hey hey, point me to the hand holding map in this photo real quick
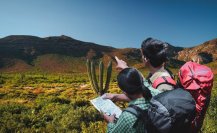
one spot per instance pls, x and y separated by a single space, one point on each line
106 106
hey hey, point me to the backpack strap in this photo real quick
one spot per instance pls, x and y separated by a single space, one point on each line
170 73
163 80
162 76
138 112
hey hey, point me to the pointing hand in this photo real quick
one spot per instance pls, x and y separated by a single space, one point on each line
120 64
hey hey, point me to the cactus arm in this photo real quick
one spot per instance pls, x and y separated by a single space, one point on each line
101 70
108 77
93 72
90 75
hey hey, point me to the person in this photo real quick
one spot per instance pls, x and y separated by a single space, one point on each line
130 81
154 56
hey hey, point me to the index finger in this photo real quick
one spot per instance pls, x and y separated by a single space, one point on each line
116 58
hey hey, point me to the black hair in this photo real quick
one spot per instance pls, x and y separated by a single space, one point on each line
131 81
155 51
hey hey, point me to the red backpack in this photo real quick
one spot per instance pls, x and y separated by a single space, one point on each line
198 80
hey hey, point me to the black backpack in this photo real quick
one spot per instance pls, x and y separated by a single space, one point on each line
168 112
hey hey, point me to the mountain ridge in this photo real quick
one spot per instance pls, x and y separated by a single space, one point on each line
20 53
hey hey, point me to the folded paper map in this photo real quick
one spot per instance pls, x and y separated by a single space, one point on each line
106 106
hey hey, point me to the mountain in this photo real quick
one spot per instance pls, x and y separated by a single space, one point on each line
206 52
63 54
54 54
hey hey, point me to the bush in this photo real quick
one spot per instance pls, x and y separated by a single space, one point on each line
13 109
61 106
92 126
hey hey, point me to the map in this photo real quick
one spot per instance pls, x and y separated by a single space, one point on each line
106 106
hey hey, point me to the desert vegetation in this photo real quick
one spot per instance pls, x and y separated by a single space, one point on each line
32 102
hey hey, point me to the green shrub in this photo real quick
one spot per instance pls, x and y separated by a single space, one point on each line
63 106
94 127
13 108
80 103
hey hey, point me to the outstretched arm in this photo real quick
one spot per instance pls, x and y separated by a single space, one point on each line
116 97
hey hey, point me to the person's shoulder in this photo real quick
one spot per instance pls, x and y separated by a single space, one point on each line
165 87
149 86
128 116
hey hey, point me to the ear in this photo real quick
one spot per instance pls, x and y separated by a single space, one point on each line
198 60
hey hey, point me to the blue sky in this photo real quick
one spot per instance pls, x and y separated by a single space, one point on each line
118 23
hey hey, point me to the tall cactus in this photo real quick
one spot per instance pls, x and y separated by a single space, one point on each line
93 75
108 76
90 75
98 88
101 70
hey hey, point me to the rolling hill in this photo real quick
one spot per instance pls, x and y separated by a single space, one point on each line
20 53
206 52
63 54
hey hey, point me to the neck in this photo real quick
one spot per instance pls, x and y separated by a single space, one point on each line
154 69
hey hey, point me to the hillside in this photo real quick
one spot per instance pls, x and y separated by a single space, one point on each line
63 54
206 52
20 53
